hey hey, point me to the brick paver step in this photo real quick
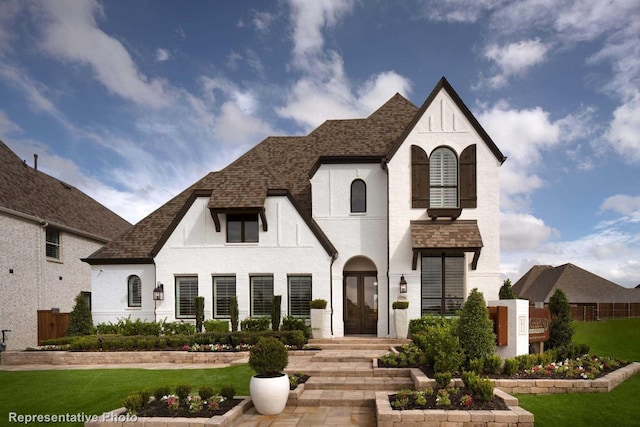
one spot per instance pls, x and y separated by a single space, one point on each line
358 383
337 398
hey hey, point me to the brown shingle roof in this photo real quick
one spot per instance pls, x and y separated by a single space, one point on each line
277 163
580 286
458 234
36 194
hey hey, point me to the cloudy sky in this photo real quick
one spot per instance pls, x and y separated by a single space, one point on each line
132 101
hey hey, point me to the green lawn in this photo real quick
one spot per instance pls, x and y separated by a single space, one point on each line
97 391
618 338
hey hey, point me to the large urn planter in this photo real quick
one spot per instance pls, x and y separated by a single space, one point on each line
400 318
269 394
318 309
269 388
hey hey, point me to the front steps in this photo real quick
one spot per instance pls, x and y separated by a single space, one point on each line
342 374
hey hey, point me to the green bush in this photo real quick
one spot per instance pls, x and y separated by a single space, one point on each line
506 291
214 325
268 357
234 313
178 328
443 378
255 324
205 392
291 323
293 338
160 392
476 365
400 305
80 322
441 346
469 378
276 313
482 389
492 364
133 403
510 367
228 392
560 329
425 322
318 303
182 391
476 328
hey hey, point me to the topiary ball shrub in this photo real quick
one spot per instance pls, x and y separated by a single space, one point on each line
228 392
268 357
182 391
205 392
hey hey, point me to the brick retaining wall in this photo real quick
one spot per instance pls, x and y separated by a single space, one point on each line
118 357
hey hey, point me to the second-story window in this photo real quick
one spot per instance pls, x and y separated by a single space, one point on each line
443 178
53 243
358 196
242 228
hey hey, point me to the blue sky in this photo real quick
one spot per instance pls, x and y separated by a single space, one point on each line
134 101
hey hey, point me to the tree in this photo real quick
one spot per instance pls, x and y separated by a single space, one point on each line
199 313
80 321
506 291
475 328
235 314
560 329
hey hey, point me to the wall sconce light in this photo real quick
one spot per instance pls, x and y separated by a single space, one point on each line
158 292
403 285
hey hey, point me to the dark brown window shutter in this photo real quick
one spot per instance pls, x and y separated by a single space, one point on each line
419 178
468 184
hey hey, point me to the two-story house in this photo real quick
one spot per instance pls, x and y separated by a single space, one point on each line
343 214
46 227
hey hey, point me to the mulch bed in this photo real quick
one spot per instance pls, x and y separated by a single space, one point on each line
497 404
159 409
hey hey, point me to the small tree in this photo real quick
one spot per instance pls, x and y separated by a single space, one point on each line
234 313
275 312
80 321
560 329
475 328
199 313
506 291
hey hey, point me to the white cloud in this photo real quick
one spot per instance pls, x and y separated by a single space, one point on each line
70 32
7 126
458 10
262 21
514 59
520 232
162 55
622 203
624 132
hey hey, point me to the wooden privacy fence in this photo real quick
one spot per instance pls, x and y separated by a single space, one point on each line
601 311
52 324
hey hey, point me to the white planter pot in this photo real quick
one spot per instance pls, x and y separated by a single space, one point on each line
317 323
269 395
401 322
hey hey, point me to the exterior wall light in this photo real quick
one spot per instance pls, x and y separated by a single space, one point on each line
403 285
158 292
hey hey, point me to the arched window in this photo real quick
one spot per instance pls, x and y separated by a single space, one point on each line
134 285
443 178
358 196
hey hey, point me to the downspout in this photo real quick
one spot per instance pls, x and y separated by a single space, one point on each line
333 259
42 255
383 164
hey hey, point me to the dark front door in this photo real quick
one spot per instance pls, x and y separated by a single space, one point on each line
360 303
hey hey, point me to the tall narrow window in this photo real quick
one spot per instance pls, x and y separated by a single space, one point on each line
224 287
261 295
186 293
358 196
442 284
242 228
52 243
299 296
134 291
443 178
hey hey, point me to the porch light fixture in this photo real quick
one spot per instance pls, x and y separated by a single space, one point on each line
403 285
158 292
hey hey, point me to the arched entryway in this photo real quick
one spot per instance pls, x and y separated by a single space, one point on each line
360 284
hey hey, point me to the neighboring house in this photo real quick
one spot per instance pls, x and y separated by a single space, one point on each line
341 214
46 227
591 297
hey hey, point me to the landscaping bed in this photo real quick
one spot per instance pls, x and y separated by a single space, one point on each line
450 398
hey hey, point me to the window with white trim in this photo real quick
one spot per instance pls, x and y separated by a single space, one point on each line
224 287
299 296
52 246
443 178
261 295
186 293
134 291
442 283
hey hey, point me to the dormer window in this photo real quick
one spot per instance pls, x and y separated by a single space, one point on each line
242 228
358 196
443 179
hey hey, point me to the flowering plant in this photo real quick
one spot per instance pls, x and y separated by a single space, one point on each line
466 400
442 399
214 402
173 401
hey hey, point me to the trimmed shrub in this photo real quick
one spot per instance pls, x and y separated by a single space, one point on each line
476 365
199 313
133 403
268 357
234 313
160 392
255 324
291 323
506 291
205 392
80 322
482 389
560 329
228 392
400 305
442 346
293 338
417 326
275 312
443 378
182 391
178 328
214 325
492 364
476 328
318 303
510 367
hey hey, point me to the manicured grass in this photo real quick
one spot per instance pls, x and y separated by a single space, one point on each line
98 391
618 338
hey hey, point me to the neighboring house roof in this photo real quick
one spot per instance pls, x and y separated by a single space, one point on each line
278 165
579 285
29 193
